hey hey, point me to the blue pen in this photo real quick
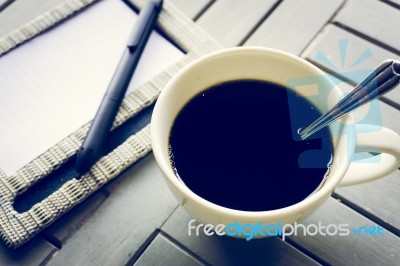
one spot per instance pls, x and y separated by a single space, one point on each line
90 150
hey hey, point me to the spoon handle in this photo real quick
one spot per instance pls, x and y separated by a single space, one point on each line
383 79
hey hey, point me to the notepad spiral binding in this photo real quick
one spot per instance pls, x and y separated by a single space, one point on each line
17 228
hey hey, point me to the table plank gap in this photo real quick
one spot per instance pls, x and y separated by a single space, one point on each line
367 214
378 199
347 56
192 8
351 248
225 250
260 22
393 3
183 247
294 34
163 251
51 239
205 8
373 20
390 102
4 4
306 251
229 28
385 99
146 243
366 37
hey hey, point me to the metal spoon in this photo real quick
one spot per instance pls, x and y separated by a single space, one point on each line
383 79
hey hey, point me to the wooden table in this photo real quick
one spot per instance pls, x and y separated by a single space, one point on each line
135 219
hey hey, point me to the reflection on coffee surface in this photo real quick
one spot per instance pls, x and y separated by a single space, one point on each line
236 144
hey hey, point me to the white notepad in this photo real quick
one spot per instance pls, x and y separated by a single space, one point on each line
52 85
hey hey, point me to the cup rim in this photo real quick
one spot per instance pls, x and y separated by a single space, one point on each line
329 184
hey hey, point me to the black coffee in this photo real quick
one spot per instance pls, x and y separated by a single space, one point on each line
236 145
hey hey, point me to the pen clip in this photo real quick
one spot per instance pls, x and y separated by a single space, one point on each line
147 17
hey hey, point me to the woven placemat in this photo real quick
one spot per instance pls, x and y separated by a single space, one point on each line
16 228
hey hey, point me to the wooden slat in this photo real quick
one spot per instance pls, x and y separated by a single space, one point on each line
383 197
380 198
374 19
163 252
191 8
139 202
218 250
350 249
293 24
33 253
229 21
327 44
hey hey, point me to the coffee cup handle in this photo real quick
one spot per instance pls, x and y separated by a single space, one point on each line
371 139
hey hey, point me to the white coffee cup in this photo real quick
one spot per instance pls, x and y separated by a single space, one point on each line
278 67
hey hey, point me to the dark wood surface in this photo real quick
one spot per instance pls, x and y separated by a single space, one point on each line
194 8
135 220
225 250
327 43
290 27
163 251
373 20
231 21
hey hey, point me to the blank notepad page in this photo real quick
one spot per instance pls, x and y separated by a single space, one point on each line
52 85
